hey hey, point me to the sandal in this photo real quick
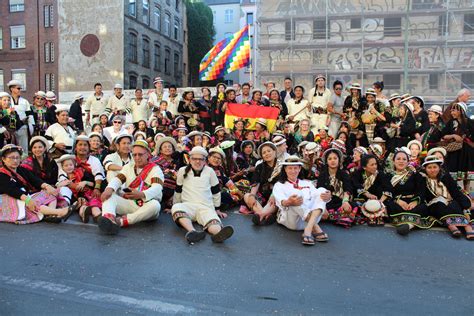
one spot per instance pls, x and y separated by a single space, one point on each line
307 240
403 229
195 236
52 219
455 233
321 237
87 213
470 235
244 210
225 233
71 209
380 221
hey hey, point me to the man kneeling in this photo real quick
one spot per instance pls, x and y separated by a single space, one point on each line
196 199
135 193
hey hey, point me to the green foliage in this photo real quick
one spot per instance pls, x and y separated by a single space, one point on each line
200 35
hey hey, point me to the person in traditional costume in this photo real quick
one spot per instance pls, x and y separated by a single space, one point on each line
114 162
169 160
341 210
300 204
432 137
25 198
197 199
60 135
134 194
217 115
458 137
371 189
81 182
319 97
98 149
407 209
39 162
445 201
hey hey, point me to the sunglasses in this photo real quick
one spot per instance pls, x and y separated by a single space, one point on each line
40 98
117 122
338 89
198 159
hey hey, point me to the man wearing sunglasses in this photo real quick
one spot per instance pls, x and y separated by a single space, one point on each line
135 193
23 108
335 105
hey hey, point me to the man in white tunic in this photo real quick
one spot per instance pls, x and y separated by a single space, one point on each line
118 104
196 199
23 108
319 97
300 204
95 105
135 193
156 96
139 107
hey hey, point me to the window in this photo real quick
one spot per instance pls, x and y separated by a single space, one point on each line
392 27
249 18
176 65
426 4
168 24
146 12
442 25
167 61
157 53
356 23
132 8
469 24
319 29
132 49
145 83
20 75
157 18
1 37
49 82
289 30
176 29
467 80
146 53
17 35
48 52
1 80
228 15
433 81
132 81
392 81
17 5
177 5
48 15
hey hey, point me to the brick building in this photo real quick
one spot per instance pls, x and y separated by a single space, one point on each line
28 44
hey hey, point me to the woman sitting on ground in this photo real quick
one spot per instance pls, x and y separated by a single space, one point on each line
25 197
341 210
259 200
299 203
445 201
39 162
407 209
371 189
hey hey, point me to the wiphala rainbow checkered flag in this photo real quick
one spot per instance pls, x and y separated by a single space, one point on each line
228 55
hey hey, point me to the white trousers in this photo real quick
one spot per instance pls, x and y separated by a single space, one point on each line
22 138
318 121
294 217
135 214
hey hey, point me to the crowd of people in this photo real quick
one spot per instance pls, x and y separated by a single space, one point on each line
338 154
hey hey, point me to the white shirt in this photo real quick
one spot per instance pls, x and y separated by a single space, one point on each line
114 159
139 110
96 105
56 134
155 99
118 104
154 181
198 189
110 134
96 168
319 101
173 103
294 108
311 196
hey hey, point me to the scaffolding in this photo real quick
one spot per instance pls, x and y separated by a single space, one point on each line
421 47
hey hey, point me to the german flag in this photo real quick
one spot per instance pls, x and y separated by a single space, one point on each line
252 113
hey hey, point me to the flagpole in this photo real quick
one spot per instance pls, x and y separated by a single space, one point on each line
250 55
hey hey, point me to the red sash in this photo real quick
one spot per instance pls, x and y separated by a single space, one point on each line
84 165
140 179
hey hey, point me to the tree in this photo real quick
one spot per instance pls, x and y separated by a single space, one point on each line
200 35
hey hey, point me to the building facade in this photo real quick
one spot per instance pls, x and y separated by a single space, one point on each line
422 47
248 16
226 18
154 42
29 45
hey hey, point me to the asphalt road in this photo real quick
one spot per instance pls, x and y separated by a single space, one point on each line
71 269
